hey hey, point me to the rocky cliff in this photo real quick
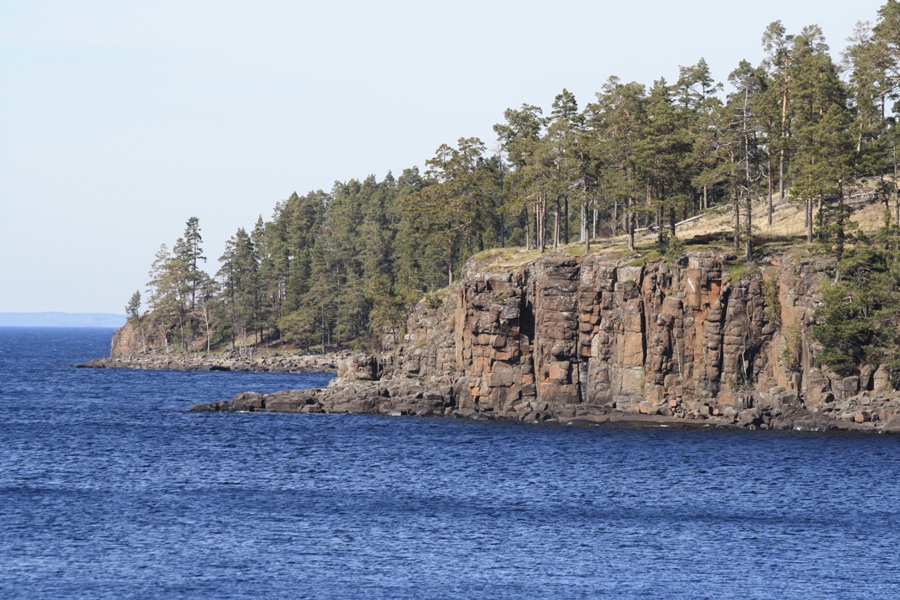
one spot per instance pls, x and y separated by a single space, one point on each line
566 337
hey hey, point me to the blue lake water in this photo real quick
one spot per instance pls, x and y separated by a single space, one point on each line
110 488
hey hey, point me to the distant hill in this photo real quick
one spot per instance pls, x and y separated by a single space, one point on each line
60 319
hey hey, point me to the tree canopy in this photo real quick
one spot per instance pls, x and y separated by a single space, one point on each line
345 265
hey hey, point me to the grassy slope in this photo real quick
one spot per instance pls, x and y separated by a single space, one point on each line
714 229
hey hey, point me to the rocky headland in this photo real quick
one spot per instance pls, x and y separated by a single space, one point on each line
123 357
610 339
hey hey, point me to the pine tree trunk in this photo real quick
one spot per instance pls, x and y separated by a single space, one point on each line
584 227
323 328
821 215
737 219
896 185
527 227
748 241
770 188
540 222
543 223
206 324
542 229
809 221
784 104
629 227
806 214
583 234
556 224
781 176
840 231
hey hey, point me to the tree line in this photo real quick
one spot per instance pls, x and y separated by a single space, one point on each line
346 265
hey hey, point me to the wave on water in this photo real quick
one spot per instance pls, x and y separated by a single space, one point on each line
110 488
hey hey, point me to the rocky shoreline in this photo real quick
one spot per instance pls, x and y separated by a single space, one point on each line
410 397
605 339
279 362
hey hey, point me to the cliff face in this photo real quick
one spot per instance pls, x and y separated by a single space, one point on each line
126 341
605 339
652 338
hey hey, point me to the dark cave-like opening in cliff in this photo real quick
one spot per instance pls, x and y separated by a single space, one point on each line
526 320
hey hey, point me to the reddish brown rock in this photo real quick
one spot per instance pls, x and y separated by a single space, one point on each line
570 337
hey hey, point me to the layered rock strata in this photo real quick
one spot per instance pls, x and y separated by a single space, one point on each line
603 338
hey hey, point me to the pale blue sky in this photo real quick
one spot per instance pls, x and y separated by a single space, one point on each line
120 119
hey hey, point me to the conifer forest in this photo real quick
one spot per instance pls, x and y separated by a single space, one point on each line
343 267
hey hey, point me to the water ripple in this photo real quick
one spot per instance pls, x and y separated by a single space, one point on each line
109 488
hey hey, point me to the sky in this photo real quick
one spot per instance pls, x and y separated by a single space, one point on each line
120 119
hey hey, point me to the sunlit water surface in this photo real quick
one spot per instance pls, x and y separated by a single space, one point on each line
110 488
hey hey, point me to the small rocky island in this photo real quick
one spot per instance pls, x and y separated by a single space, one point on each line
603 339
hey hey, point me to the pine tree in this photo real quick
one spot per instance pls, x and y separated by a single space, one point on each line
133 308
617 124
777 45
520 139
456 210
821 162
696 90
240 286
662 157
741 131
164 298
133 313
563 132
188 253
886 38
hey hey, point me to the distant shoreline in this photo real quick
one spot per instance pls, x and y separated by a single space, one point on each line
111 327
61 320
